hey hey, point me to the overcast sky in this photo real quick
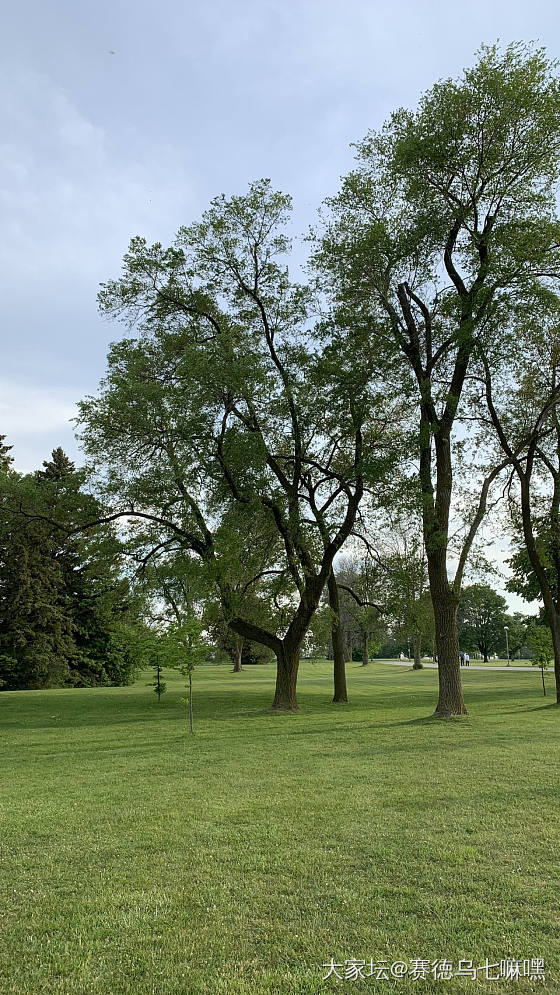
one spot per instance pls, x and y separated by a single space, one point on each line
123 118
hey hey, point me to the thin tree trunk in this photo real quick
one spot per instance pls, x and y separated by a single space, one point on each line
287 665
365 649
339 670
190 703
417 647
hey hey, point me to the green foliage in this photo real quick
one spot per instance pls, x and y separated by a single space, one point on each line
66 609
362 622
517 634
159 686
5 459
524 580
539 641
223 430
481 618
36 631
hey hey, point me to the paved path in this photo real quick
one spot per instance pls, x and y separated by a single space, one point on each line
433 666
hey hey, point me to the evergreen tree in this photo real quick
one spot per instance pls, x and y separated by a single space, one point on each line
35 630
66 612
5 460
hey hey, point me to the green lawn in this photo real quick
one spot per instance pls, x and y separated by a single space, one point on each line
138 859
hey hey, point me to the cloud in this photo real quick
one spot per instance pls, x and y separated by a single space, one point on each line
70 199
31 409
36 420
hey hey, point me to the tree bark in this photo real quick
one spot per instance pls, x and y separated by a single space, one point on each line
436 528
285 697
339 669
238 656
450 701
553 618
365 649
417 648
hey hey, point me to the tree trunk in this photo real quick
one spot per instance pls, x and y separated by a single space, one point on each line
435 517
237 664
555 630
190 703
450 700
287 665
365 649
417 647
339 669
551 602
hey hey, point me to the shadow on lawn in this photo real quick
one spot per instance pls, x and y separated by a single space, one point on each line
104 707
541 708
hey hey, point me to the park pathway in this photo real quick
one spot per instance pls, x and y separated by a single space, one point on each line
433 666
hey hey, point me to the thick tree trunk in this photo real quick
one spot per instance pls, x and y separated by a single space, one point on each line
365 649
450 700
417 648
555 630
339 670
287 665
436 525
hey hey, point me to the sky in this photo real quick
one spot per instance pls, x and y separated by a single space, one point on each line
122 118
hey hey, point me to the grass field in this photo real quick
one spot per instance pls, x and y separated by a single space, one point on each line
138 859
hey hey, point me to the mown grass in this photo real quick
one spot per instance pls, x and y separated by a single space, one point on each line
138 859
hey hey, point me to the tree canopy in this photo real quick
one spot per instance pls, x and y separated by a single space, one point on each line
223 427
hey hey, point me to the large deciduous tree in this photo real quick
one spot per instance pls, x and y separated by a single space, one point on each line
445 226
221 422
482 616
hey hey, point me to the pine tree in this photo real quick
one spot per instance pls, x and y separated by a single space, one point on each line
66 612
35 630
5 460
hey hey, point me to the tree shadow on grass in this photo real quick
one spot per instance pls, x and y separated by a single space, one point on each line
540 708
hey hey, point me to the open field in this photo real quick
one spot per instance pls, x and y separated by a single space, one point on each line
138 859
